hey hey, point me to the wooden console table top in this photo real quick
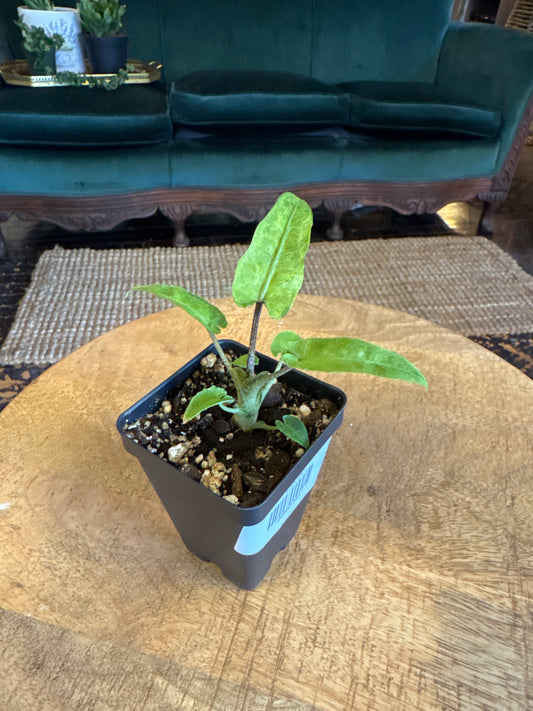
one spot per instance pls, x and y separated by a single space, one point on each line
408 585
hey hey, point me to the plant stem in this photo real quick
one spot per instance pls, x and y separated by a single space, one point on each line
282 369
250 364
221 352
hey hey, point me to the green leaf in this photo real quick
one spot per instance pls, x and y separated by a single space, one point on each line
204 400
293 428
39 4
208 315
242 360
272 268
349 355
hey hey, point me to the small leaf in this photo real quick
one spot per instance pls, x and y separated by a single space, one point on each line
348 355
204 400
272 268
293 428
242 360
208 315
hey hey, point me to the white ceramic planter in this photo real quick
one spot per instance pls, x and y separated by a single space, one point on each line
64 21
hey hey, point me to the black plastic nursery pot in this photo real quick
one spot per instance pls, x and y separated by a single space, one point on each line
106 54
241 541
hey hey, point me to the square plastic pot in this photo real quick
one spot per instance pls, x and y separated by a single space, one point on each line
241 541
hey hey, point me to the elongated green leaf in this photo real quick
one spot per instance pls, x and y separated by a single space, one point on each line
293 428
272 268
204 400
349 355
208 315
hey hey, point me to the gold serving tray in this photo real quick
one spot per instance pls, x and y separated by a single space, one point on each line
17 72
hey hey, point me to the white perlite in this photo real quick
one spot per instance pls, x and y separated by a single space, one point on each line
178 451
467 284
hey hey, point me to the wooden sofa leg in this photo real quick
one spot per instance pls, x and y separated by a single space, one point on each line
3 245
338 207
180 238
178 214
492 201
335 232
485 224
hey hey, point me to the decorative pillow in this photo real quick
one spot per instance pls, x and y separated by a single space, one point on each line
416 106
215 100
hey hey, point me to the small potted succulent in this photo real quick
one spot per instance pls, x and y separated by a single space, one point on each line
50 29
105 40
234 440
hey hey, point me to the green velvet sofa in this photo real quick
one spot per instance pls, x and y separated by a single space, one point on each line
345 102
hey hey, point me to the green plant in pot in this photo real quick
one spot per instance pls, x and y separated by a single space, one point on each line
232 517
105 39
40 48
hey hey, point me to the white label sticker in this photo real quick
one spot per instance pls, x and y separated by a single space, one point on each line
254 538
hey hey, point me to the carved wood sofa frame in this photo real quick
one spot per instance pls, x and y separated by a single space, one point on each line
106 212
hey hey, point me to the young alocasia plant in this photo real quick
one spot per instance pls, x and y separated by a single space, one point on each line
270 274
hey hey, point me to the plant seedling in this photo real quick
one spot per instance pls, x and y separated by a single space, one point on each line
270 274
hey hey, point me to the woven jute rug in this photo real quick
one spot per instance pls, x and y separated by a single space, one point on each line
466 284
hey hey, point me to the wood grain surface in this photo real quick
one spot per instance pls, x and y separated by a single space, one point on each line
408 585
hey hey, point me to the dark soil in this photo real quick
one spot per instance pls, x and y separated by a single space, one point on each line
242 466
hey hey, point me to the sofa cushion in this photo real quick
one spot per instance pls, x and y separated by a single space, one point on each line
214 100
283 161
416 106
71 116
270 160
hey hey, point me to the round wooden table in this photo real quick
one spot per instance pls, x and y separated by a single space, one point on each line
408 585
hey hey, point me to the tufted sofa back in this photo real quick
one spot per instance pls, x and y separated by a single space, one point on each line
331 40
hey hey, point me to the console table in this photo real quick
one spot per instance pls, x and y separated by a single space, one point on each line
408 586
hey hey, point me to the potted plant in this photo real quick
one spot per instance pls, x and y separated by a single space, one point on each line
233 441
105 40
39 19
40 49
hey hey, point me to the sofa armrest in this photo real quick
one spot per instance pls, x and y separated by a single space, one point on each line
493 67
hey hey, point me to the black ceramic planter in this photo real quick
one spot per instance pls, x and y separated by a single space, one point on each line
106 54
241 541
